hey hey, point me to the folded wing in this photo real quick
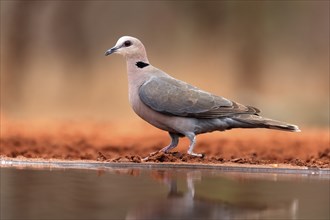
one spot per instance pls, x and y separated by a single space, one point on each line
173 97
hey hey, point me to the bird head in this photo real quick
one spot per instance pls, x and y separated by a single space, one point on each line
128 47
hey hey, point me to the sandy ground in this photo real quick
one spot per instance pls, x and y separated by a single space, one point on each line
131 142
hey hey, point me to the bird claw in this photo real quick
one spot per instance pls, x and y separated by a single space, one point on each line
150 155
196 155
165 150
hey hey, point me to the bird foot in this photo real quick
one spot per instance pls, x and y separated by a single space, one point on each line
150 155
167 149
195 154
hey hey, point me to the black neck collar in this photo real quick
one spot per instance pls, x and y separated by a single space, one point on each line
141 64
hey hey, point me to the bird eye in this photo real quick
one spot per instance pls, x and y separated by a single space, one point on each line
127 43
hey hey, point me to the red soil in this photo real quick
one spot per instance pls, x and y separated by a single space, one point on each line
130 143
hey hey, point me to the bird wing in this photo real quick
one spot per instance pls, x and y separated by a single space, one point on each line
173 97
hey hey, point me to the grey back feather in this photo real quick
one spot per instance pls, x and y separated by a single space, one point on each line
173 97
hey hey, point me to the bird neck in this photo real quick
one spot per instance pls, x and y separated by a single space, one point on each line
136 67
136 62
140 57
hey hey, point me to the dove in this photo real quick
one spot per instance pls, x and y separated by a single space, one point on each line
179 108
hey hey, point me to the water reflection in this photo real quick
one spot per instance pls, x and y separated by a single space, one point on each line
191 205
110 193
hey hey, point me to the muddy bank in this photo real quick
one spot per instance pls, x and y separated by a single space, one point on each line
122 142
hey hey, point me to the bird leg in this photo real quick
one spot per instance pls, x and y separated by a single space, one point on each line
173 144
192 138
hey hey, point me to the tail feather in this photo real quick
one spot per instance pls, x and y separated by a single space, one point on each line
256 121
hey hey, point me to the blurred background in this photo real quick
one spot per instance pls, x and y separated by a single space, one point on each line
270 54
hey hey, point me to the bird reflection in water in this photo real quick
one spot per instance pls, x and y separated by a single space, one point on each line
190 205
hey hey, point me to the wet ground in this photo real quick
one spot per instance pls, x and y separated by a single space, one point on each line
148 193
125 142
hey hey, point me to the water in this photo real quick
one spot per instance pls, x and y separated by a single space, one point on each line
140 193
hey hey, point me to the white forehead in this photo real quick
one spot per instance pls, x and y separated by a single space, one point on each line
125 38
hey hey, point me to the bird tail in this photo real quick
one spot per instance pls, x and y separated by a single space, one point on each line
256 121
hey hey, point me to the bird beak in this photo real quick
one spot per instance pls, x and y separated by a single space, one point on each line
111 51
